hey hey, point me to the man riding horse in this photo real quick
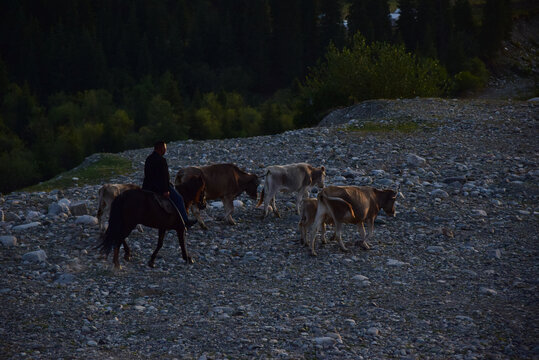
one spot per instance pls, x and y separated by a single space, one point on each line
157 180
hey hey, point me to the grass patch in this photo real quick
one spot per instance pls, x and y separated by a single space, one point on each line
93 170
383 127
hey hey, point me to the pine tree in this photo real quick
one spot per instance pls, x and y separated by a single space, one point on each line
496 26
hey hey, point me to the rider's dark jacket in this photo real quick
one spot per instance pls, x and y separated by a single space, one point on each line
156 177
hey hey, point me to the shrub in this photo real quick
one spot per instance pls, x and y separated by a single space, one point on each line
367 71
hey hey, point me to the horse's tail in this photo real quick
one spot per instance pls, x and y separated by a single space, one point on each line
114 231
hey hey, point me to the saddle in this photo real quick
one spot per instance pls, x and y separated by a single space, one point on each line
166 204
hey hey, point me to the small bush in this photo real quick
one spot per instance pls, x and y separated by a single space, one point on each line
367 71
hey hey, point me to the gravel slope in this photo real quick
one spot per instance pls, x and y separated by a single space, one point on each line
452 276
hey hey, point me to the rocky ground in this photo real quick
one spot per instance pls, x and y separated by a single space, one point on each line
453 276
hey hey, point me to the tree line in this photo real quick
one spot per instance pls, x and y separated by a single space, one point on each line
85 76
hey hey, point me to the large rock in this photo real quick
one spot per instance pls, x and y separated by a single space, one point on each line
8 240
86 220
79 208
26 226
35 256
414 160
58 208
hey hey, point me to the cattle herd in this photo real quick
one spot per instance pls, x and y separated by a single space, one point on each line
334 205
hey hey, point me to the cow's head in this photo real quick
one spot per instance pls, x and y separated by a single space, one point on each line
251 186
386 200
319 176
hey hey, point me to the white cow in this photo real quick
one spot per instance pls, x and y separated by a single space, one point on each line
107 193
300 178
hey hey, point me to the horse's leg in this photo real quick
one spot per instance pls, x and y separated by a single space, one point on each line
127 251
115 259
181 240
162 232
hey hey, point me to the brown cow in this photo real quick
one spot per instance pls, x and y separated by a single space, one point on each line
308 215
352 205
223 181
299 177
106 194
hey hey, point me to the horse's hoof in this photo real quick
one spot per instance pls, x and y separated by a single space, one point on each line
127 257
364 245
117 267
190 260
203 226
344 249
151 264
313 253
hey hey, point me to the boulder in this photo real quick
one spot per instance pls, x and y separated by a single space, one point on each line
414 160
8 240
86 220
35 256
79 208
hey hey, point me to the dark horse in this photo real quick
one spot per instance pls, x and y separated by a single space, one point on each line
138 206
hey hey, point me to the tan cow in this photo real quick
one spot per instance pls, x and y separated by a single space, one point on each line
300 178
223 181
106 194
352 205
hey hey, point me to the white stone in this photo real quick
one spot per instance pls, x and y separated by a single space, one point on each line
373 331
488 291
393 262
435 249
439 193
360 278
415 160
35 256
26 226
86 220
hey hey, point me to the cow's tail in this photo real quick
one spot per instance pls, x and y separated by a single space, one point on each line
325 199
115 229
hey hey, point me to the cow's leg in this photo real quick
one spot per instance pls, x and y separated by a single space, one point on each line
323 232
198 216
104 208
183 246
162 232
363 243
303 233
274 206
228 203
314 231
299 199
338 235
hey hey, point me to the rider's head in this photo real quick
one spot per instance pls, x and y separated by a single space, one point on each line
160 147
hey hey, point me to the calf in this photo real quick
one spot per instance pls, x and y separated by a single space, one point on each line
106 194
352 205
299 177
308 215
223 181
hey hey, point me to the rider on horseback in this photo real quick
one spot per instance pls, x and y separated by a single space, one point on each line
157 180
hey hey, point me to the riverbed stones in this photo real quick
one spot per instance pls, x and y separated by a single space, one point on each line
436 287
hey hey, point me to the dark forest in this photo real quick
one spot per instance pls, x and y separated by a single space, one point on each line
84 76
